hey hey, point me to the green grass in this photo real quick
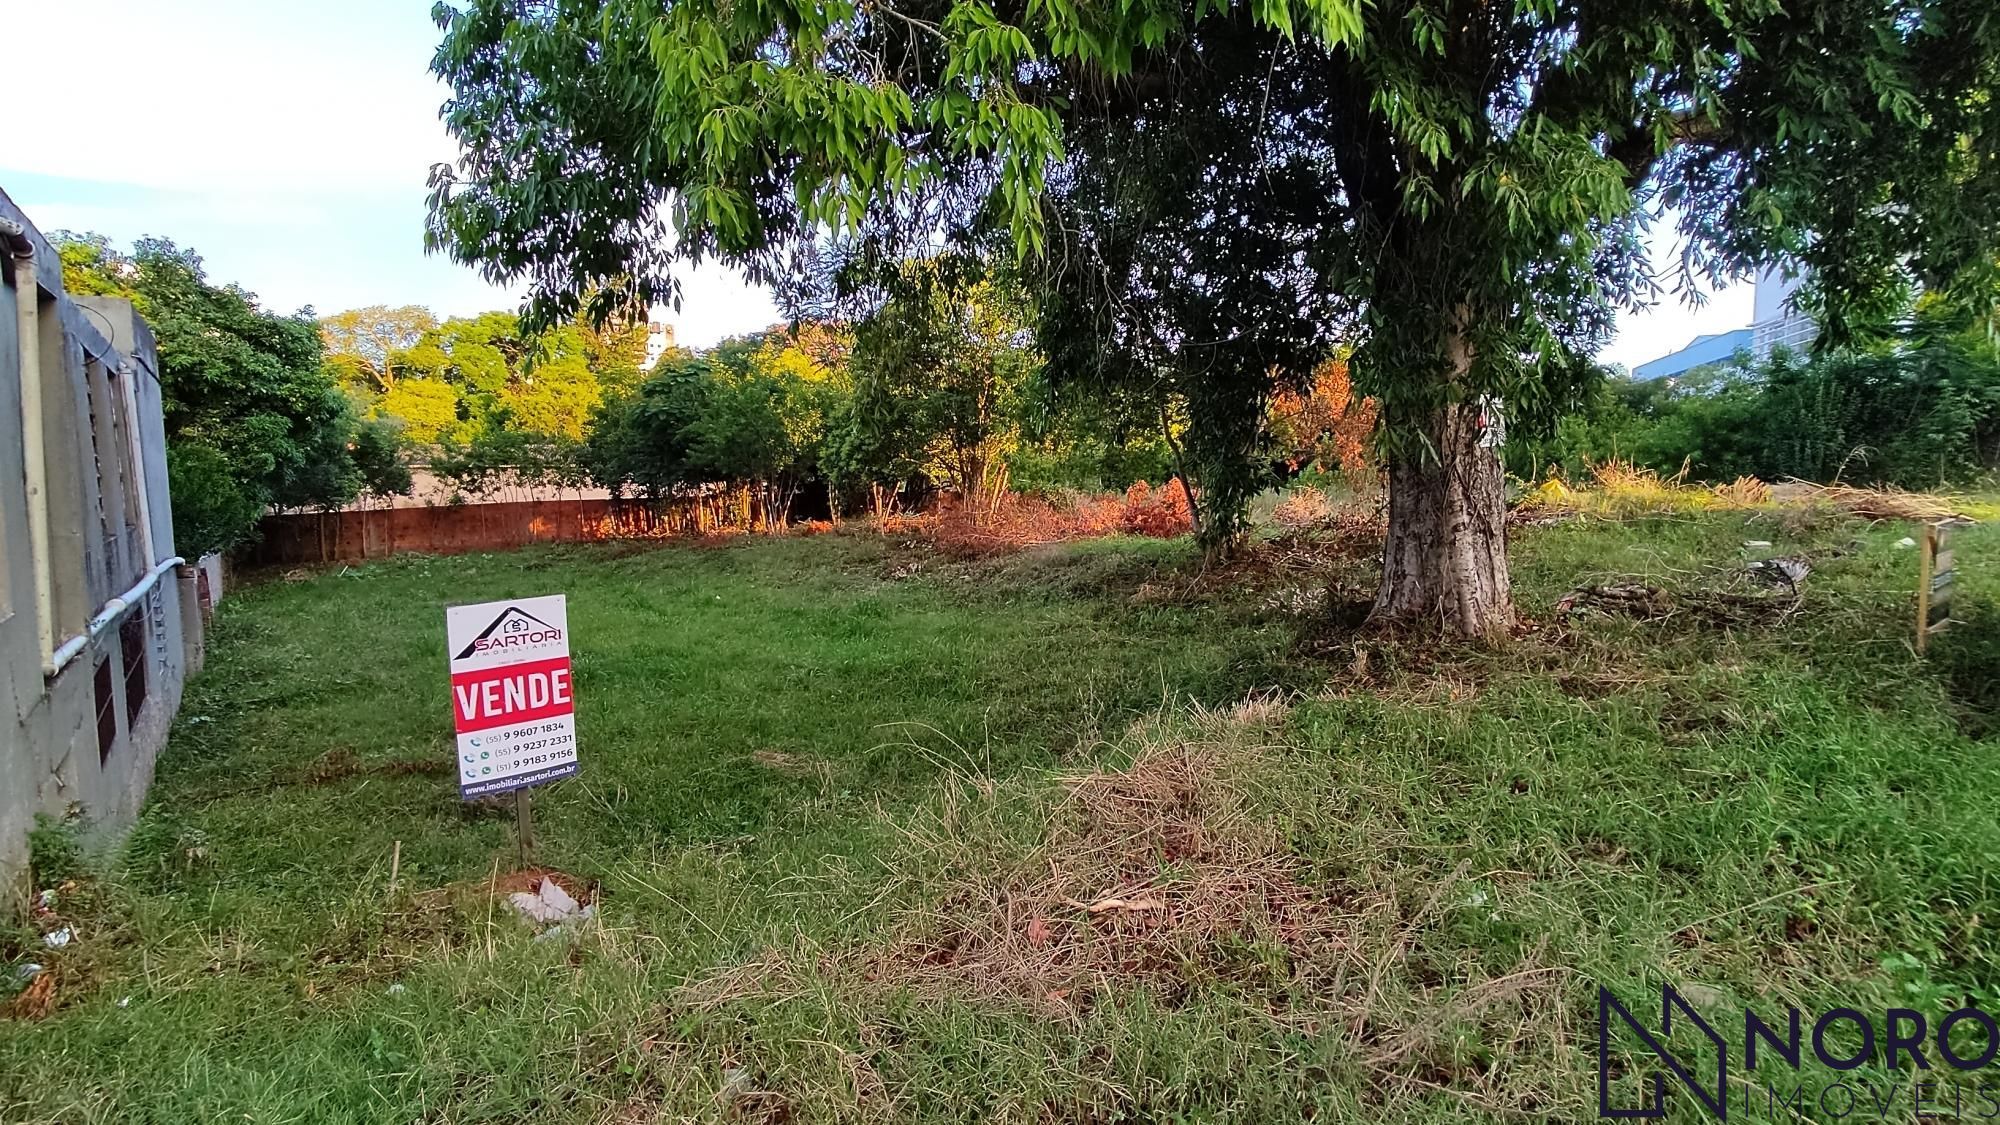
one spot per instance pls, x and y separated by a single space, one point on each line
822 778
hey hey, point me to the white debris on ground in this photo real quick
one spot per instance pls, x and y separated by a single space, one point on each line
549 906
56 939
1905 543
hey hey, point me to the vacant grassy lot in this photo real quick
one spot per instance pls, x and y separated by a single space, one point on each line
847 807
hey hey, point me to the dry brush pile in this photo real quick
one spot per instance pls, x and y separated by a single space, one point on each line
1015 521
1164 885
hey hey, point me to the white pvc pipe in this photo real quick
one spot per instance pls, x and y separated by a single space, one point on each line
112 611
128 374
34 457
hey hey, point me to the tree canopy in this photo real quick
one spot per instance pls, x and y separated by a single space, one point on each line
455 383
1461 187
753 414
365 344
252 416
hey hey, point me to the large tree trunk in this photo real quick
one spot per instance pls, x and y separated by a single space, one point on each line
1445 563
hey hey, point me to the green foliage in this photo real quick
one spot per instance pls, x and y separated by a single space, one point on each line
212 505
1919 413
251 410
379 457
940 368
1461 187
364 345
500 457
426 409
756 411
55 850
453 383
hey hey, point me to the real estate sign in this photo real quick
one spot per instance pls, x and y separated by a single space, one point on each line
511 694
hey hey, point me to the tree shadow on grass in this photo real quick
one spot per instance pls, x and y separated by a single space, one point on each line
1966 659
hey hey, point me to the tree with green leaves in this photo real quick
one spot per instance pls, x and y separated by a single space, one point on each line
1488 171
941 367
461 380
753 416
364 345
252 415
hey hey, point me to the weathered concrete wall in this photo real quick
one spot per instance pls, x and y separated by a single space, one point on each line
81 745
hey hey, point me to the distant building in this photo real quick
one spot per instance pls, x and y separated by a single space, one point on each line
1774 323
1716 347
100 621
659 337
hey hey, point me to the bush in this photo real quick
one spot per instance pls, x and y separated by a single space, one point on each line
212 510
1919 413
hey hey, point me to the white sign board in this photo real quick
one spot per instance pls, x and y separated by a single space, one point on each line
511 694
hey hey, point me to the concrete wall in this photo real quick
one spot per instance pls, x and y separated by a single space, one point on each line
80 745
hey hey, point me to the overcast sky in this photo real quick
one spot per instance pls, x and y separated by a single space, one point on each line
288 142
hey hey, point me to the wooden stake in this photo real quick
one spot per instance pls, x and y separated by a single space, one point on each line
395 867
524 823
1926 554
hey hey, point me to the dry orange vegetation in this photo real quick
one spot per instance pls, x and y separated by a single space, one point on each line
1016 521
1330 426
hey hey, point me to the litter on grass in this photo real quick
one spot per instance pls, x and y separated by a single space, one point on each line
1788 571
551 907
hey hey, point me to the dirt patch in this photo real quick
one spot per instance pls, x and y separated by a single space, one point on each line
381 941
1724 602
1147 870
37 1000
341 763
583 890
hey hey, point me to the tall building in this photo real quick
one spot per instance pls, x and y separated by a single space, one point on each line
659 337
1774 323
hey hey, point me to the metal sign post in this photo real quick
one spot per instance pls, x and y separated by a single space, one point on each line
524 823
512 701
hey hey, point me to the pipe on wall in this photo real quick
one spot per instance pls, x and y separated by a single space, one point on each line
108 616
128 374
35 466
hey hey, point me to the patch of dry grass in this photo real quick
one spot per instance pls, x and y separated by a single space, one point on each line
1619 488
1169 877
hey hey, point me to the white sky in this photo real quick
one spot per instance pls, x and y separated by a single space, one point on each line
289 141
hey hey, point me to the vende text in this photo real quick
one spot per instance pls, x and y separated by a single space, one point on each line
518 693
